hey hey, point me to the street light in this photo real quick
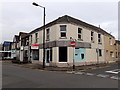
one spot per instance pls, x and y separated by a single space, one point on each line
35 4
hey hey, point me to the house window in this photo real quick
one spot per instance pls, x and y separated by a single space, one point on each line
31 39
48 34
79 33
99 38
110 41
111 54
63 31
27 42
92 36
100 52
36 37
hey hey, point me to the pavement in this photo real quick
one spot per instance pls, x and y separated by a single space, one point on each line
69 69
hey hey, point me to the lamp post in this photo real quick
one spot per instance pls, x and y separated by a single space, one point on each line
35 4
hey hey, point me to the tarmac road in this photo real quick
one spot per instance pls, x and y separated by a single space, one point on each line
19 77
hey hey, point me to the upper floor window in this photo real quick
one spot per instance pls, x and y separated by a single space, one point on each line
111 41
27 42
36 37
48 34
62 30
31 39
99 38
79 33
111 54
92 36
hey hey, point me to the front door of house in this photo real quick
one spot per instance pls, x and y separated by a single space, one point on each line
48 56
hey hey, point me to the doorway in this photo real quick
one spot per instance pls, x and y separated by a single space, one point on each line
48 55
62 54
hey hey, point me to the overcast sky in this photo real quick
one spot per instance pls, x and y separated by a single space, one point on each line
21 15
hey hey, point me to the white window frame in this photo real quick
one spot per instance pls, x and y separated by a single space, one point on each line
112 54
31 39
99 38
48 34
61 31
80 33
36 38
92 36
111 43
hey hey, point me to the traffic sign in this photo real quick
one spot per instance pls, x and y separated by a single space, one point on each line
73 43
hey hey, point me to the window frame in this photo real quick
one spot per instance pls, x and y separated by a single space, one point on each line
48 34
31 39
112 54
36 38
99 38
100 52
92 36
110 41
80 33
63 31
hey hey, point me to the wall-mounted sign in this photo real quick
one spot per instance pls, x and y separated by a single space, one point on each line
35 46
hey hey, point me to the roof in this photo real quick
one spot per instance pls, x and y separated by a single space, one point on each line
7 43
22 33
117 42
69 19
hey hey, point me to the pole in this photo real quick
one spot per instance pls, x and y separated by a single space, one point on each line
73 58
44 39
43 32
97 56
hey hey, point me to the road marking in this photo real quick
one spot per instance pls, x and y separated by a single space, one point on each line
90 74
115 71
70 72
102 75
79 73
115 77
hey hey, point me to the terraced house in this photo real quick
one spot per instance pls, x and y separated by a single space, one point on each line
91 43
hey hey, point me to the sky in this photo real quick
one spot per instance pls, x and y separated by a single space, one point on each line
21 16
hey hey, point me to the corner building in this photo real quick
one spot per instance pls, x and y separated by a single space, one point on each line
90 43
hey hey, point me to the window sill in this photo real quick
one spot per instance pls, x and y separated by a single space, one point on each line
92 41
80 39
62 62
48 40
99 43
62 37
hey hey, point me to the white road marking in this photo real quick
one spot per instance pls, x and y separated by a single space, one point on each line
90 74
70 72
115 77
115 71
102 75
79 73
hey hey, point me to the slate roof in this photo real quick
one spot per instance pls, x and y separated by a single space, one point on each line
69 19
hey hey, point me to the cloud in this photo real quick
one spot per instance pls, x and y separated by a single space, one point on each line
23 16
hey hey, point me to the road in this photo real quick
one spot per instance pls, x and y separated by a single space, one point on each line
19 77
111 71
